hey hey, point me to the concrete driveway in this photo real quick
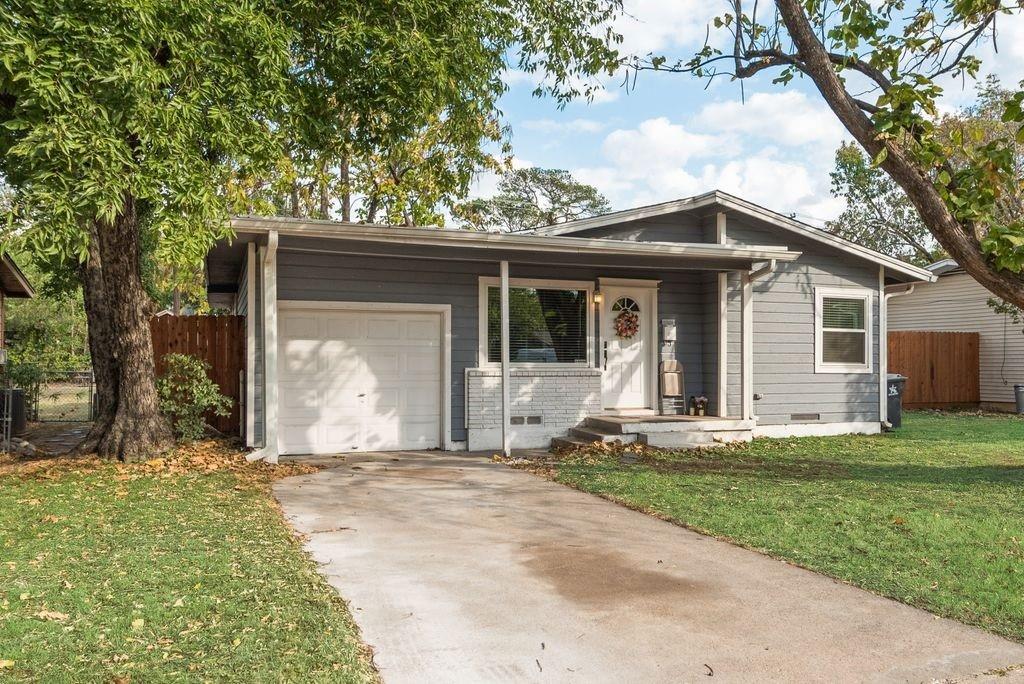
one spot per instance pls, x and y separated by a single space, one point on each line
462 570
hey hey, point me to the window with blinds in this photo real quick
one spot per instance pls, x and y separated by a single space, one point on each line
844 332
545 325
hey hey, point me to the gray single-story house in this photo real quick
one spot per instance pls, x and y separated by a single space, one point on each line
368 338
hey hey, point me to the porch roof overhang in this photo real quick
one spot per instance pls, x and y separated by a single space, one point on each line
462 245
13 281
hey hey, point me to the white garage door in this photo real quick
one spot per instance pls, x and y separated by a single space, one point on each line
358 381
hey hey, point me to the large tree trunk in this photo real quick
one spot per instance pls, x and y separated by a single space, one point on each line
959 240
95 297
137 430
346 191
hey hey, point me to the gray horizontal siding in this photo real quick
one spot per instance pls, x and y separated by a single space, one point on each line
783 320
315 276
671 228
709 339
784 332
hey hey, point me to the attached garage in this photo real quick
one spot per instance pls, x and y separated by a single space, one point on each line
352 378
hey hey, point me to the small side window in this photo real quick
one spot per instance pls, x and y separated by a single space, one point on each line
842 331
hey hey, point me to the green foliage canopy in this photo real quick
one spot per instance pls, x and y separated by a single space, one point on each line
532 197
881 68
187 106
878 214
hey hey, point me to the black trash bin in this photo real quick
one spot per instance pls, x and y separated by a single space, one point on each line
18 425
1018 393
895 410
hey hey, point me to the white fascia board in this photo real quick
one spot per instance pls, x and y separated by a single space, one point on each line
509 241
744 207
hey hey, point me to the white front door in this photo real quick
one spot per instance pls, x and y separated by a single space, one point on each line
625 335
358 380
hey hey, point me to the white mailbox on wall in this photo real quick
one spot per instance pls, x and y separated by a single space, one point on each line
668 330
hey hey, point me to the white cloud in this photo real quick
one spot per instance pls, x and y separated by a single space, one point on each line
657 143
659 160
786 118
485 184
660 25
573 126
783 186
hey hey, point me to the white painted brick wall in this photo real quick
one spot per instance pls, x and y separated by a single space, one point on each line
561 397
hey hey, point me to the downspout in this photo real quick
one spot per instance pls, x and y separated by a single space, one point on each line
269 451
883 348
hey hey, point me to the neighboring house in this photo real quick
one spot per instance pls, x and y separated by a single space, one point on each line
956 302
13 283
379 338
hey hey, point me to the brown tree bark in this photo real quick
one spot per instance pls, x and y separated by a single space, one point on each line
137 430
959 240
346 192
94 296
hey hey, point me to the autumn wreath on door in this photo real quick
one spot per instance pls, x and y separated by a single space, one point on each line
627 317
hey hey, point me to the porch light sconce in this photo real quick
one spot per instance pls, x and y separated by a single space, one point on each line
598 296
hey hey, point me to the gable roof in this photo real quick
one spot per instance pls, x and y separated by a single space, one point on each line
13 281
742 206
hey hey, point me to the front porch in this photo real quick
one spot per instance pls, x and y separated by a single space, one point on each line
663 431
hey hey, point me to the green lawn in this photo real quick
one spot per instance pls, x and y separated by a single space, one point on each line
932 515
149 574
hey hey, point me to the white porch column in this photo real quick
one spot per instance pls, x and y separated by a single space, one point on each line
723 324
250 344
506 395
747 382
269 452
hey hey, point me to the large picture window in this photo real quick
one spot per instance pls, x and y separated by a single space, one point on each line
548 323
842 330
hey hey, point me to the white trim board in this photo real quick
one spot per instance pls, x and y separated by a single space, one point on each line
250 345
445 312
524 242
723 344
654 346
818 429
742 206
627 282
485 282
820 366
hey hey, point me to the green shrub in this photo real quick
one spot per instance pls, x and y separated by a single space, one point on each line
187 393
29 377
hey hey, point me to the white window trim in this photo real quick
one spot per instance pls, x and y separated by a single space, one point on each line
486 282
865 294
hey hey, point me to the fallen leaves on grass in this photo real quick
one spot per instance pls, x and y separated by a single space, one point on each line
52 615
207 456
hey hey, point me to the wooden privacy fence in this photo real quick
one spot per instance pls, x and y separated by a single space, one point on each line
218 340
942 368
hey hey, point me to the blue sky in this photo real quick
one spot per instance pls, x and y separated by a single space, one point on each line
672 136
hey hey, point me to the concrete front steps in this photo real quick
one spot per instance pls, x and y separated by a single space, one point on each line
662 432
